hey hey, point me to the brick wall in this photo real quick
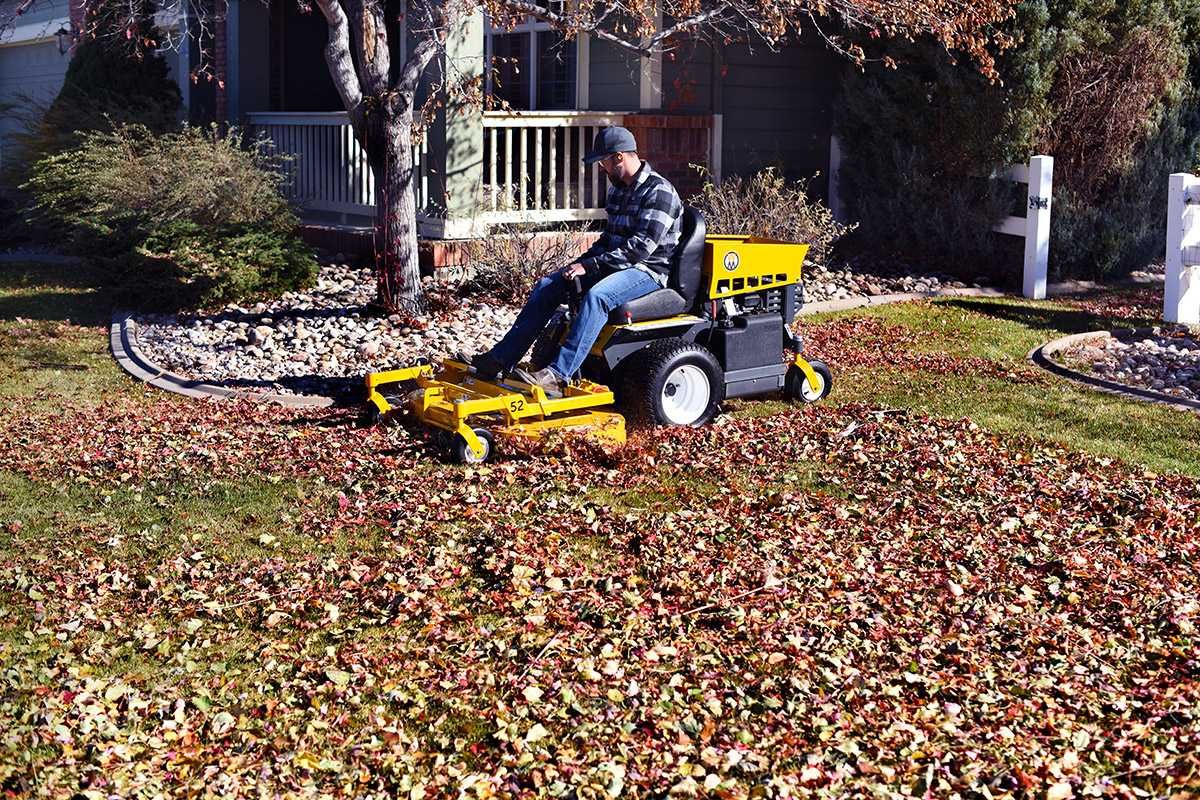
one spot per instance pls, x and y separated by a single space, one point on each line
670 142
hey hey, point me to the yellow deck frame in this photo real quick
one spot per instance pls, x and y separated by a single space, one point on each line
450 398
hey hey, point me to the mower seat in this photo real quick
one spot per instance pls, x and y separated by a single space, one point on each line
683 283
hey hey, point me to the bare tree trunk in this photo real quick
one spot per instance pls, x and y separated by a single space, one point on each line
396 260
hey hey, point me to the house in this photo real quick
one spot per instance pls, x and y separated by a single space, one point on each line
730 109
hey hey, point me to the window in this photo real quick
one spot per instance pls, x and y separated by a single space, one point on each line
533 68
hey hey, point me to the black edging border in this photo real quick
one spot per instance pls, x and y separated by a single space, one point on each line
122 341
1041 356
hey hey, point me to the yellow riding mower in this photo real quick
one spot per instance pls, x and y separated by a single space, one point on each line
719 331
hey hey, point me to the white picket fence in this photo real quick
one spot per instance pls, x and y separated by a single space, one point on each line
1034 227
1181 295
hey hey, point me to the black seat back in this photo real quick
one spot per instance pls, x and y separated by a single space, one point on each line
686 269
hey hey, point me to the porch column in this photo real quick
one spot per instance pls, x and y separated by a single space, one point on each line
456 144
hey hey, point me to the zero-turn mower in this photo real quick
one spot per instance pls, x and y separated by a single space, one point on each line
720 330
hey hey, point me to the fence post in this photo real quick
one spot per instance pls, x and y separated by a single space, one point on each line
1181 294
1037 227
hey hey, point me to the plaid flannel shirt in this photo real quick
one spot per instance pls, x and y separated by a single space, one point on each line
644 221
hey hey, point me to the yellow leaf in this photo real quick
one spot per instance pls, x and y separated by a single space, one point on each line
307 761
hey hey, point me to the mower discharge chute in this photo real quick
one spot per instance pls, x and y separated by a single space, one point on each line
719 330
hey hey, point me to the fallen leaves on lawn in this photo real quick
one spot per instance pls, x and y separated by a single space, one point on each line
859 343
828 599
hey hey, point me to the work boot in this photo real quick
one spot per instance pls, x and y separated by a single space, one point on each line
486 366
549 380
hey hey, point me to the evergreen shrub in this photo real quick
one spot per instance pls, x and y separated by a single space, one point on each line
193 200
1104 87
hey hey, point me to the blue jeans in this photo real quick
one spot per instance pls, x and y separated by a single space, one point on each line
601 295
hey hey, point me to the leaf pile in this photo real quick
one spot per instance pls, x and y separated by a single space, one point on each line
862 343
1136 307
824 601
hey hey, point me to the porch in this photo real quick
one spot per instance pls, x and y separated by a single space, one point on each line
512 167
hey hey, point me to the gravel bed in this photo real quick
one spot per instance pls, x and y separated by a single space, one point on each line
1167 362
322 341
861 278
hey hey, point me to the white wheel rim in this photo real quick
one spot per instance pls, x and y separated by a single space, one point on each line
685 395
474 459
810 393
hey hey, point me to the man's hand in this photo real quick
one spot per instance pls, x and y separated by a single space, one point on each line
575 270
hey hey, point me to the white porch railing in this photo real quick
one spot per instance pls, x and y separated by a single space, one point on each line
533 166
330 171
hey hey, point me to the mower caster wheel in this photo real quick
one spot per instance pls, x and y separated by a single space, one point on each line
462 452
796 385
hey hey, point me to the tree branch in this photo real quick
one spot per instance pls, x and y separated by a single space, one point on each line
341 65
369 36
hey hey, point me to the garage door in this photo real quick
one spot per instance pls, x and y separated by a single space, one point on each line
34 70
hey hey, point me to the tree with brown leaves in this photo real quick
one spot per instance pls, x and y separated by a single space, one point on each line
380 96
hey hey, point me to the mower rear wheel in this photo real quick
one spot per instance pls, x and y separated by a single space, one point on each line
672 382
462 451
798 387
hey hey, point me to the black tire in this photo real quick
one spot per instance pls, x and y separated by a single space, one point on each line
795 383
653 376
462 451
545 347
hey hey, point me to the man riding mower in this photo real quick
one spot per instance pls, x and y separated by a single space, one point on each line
719 330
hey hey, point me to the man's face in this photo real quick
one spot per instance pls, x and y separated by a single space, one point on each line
617 167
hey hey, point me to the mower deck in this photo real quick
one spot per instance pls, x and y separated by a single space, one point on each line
455 400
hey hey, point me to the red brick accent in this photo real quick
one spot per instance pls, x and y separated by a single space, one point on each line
671 143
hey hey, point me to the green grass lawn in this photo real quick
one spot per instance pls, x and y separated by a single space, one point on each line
957 576
1004 331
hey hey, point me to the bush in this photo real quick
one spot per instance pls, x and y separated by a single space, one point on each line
111 80
193 209
1123 228
768 206
197 266
131 178
916 141
507 262
1103 87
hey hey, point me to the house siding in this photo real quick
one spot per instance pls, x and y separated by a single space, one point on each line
31 70
613 78
777 108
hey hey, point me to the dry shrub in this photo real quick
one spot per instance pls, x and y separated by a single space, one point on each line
1104 103
767 205
505 264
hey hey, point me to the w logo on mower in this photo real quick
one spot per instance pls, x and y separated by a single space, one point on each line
732 260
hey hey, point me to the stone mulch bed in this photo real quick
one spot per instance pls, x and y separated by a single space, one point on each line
322 341
1166 361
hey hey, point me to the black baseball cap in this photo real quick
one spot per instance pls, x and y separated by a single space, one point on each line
614 139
